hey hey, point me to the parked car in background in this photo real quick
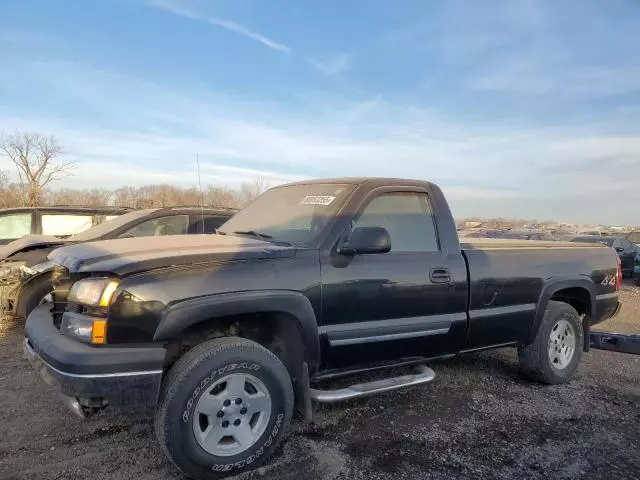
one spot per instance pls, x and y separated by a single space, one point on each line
627 251
25 278
57 221
633 237
636 269
526 235
510 234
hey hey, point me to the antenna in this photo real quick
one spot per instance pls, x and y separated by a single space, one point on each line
201 196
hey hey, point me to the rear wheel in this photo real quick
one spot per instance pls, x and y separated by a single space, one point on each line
555 354
224 408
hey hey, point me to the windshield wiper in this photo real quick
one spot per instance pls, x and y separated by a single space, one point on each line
253 233
259 235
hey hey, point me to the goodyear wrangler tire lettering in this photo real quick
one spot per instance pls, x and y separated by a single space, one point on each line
207 381
257 455
195 375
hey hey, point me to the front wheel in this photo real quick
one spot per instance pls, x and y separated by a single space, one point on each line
224 408
555 354
36 293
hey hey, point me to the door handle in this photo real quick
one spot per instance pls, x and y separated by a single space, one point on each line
440 275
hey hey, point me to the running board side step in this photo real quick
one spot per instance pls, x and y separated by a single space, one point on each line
424 375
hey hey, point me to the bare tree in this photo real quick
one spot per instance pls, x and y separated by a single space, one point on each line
249 191
35 157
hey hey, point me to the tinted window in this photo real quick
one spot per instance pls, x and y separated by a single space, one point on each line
110 225
53 224
407 217
210 224
172 225
15 225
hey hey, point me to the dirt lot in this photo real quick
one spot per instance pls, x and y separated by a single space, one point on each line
477 420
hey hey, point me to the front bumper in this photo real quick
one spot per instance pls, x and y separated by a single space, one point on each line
126 377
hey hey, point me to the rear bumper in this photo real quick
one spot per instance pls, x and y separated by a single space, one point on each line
126 377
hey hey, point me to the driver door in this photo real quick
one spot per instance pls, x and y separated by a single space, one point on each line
399 304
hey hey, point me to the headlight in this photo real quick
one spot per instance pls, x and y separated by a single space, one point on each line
93 292
86 329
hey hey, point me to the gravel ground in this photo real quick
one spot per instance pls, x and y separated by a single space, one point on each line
478 419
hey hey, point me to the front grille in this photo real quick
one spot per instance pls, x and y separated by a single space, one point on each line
61 284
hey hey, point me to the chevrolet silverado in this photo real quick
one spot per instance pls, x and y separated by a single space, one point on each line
227 335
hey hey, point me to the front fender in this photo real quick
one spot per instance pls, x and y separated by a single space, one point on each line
184 314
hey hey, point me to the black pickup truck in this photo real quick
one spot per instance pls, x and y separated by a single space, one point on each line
226 336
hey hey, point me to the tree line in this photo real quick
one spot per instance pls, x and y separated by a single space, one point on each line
38 163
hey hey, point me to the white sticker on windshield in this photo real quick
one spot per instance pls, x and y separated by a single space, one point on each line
317 200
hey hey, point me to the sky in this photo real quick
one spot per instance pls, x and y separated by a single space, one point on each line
516 108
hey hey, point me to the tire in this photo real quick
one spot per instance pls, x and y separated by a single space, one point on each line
32 294
181 426
539 360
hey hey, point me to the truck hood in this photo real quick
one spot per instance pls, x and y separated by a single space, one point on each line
126 256
28 242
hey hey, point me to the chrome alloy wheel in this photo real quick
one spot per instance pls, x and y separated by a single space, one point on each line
48 298
562 344
232 414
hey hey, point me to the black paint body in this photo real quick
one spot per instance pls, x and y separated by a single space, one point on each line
351 310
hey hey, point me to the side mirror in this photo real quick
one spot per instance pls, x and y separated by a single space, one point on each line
619 249
366 240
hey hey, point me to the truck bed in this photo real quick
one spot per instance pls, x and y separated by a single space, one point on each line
507 278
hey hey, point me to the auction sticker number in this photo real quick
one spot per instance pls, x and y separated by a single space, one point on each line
317 200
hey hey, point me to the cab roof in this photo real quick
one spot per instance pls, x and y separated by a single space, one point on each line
371 181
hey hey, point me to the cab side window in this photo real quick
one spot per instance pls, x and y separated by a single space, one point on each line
61 224
408 218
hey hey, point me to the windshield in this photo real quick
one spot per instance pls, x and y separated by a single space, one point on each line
104 228
294 214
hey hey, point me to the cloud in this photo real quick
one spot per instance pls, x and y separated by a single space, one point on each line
184 9
242 30
333 65
527 49
542 76
123 129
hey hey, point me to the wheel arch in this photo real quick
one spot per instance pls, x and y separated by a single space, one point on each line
30 287
577 291
280 309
